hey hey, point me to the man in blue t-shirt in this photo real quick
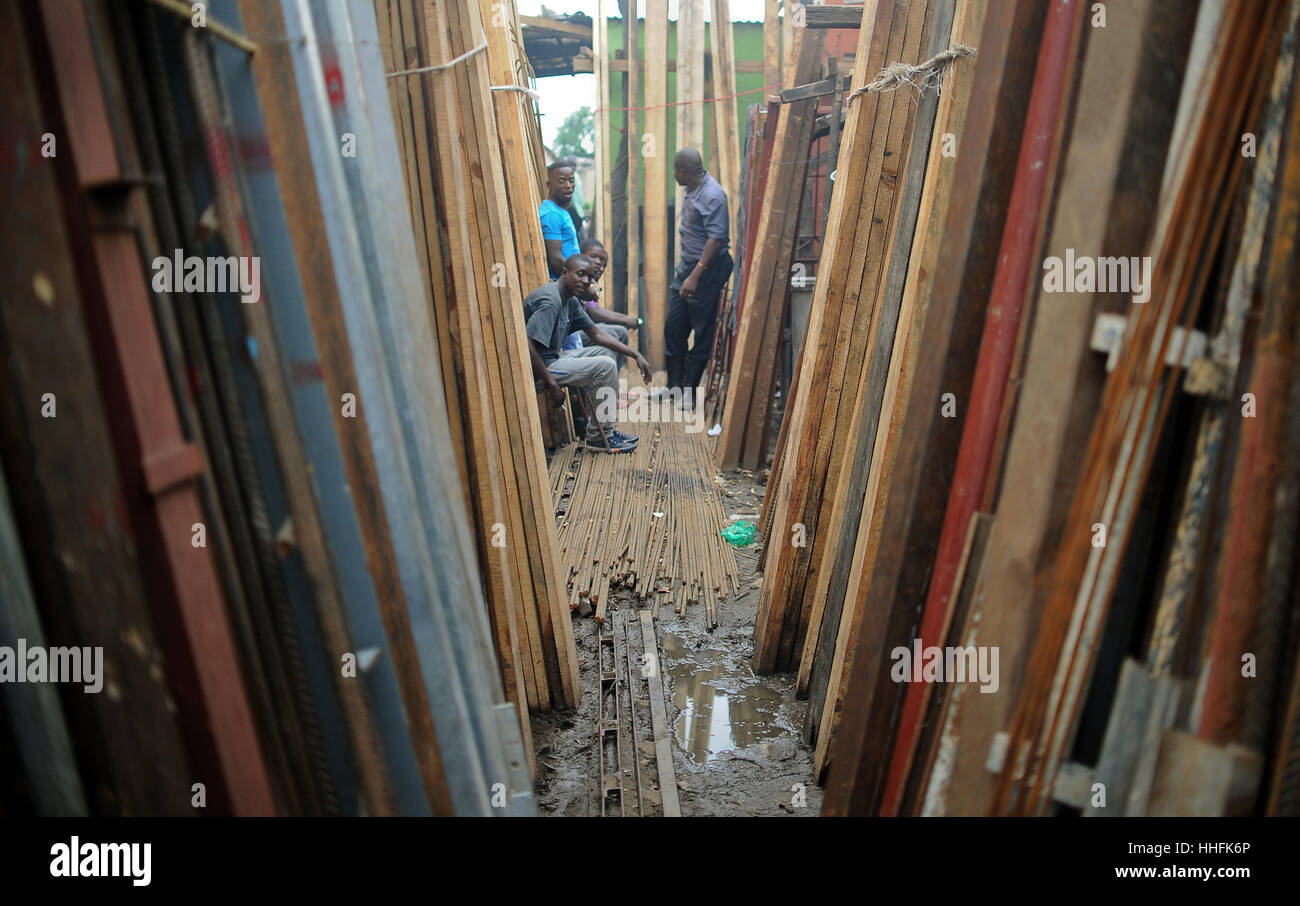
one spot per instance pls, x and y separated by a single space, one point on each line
557 226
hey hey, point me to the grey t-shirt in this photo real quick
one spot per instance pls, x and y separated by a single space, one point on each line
704 217
551 318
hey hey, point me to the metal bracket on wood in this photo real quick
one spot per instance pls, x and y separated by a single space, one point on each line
1108 337
1073 785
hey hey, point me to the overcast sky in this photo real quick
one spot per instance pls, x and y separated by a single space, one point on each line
561 95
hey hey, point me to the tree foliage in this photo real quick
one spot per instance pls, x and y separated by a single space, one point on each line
576 135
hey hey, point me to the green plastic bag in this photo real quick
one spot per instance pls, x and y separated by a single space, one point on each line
739 534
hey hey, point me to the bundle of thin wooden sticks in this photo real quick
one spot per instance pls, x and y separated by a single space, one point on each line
648 522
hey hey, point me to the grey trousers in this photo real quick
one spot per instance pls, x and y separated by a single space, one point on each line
614 330
592 369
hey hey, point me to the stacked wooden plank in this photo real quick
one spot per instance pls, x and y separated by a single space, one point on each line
1112 128
479 246
647 522
864 479
766 291
752 161
1051 477
876 138
1123 443
907 511
520 140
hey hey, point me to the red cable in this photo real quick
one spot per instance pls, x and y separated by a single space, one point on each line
725 97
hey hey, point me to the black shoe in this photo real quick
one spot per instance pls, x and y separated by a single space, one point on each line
609 445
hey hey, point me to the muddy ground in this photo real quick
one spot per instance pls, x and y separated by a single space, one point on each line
736 742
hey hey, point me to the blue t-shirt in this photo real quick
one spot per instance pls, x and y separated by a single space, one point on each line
557 224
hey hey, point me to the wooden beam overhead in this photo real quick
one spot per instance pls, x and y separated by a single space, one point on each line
559 26
847 16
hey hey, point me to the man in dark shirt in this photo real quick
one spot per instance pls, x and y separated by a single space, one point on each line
613 323
704 235
550 313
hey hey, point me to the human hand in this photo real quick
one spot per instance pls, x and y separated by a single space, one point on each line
555 393
689 285
644 366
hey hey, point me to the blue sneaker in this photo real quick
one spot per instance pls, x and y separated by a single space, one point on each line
610 445
620 436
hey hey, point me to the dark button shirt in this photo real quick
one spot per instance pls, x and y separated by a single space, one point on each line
704 217
551 318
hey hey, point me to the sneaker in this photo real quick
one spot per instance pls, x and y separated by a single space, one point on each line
613 445
620 437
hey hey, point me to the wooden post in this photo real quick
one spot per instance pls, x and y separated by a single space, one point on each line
656 154
788 10
771 44
631 101
600 50
726 154
690 82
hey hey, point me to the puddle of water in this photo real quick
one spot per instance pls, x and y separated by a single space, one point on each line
711 720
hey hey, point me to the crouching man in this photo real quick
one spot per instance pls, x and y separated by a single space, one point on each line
551 313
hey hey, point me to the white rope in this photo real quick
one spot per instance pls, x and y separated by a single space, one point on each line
520 88
441 66
921 76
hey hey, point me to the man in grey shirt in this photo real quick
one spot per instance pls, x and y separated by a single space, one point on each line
704 233
551 313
